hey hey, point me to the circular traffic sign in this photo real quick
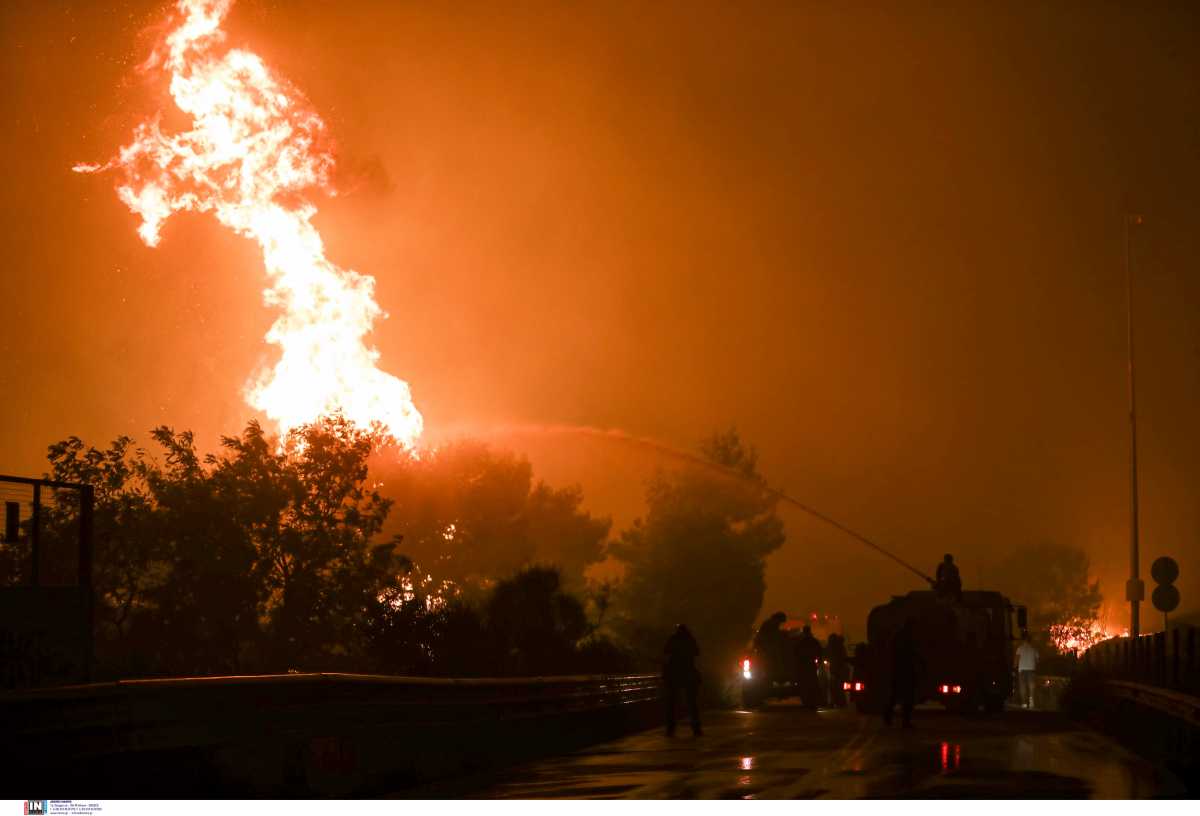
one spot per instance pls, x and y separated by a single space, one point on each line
1164 570
1166 598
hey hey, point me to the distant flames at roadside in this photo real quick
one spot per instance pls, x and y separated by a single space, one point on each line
1077 636
254 150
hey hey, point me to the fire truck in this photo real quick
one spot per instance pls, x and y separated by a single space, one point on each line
965 647
764 677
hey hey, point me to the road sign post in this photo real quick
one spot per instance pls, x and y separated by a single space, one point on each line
1134 590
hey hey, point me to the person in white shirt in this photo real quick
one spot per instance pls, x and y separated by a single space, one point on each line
1027 660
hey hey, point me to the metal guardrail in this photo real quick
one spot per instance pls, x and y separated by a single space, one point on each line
205 711
1183 707
1146 690
1169 660
317 732
1161 724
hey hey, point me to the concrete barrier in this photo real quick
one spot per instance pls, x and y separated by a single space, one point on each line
303 734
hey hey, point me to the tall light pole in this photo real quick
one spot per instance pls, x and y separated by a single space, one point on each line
1135 590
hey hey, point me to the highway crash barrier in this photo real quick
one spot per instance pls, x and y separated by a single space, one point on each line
1164 659
304 734
1146 691
1161 724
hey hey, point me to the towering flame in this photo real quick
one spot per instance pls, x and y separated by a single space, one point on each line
254 150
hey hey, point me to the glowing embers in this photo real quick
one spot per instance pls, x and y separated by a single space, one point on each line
254 152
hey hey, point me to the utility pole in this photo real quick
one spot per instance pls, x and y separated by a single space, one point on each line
1135 590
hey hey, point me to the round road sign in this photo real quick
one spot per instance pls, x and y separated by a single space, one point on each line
1166 598
1164 570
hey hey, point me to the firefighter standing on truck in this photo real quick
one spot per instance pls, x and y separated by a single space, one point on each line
949 582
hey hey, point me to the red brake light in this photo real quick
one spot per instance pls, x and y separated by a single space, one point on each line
858 686
957 689
944 689
845 686
746 664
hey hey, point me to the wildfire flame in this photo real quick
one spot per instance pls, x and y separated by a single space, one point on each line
1078 635
254 150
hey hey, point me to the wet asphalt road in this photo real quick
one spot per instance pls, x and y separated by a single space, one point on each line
784 751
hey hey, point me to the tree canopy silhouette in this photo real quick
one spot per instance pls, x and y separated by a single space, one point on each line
469 513
1052 581
274 554
698 556
263 555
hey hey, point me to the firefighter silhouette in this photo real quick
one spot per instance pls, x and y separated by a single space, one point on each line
808 658
680 673
948 583
835 653
905 668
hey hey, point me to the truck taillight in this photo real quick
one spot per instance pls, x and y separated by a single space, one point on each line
859 686
946 688
956 689
846 686
746 673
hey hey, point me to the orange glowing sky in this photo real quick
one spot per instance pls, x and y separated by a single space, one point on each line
886 245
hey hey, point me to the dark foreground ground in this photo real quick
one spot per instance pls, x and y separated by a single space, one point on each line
784 751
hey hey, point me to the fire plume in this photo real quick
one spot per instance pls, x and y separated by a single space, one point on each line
254 150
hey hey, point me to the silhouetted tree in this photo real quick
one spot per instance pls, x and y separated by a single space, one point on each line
401 627
526 625
1052 582
202 608
469 514
262 556
130 561
314 524
421 627
599 600
698 556
536 625
271 554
